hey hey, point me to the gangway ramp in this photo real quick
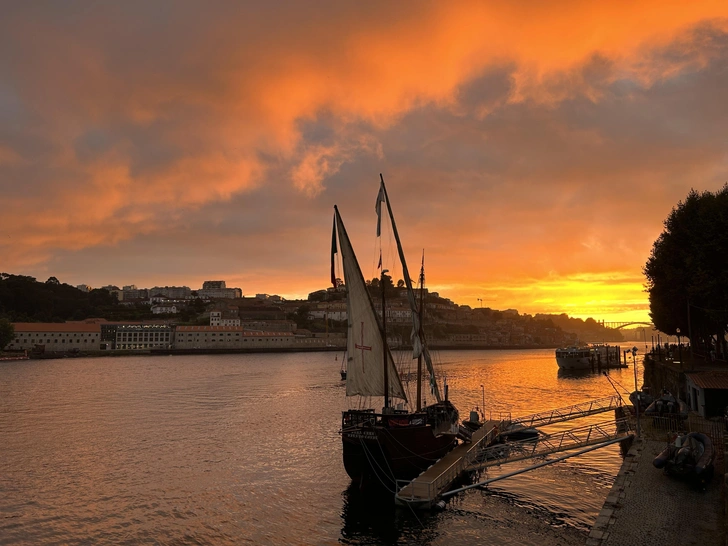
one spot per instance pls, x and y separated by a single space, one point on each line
567 440
425 488
583 409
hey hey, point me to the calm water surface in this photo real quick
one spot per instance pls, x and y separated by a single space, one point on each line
235 449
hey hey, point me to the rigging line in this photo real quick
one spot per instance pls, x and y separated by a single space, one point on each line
371 459
386 460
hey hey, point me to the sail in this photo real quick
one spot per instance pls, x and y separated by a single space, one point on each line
364 346
418 336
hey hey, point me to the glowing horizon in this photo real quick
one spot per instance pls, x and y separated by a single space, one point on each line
533 152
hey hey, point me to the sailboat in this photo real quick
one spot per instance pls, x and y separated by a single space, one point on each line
398 441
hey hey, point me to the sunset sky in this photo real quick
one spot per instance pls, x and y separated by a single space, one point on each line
533 149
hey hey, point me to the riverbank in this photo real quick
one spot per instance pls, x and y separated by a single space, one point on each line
647 507
282 350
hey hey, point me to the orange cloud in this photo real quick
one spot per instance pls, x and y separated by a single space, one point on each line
116 127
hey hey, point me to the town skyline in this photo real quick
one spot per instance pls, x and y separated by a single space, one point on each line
532 152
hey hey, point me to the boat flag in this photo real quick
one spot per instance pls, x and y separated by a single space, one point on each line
378 208
333 253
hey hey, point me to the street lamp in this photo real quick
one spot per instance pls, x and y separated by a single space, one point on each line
637 392
481 306
482 389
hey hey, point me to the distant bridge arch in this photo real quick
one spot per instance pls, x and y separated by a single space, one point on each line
620 325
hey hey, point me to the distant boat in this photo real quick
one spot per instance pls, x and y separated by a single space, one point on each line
574 358
396 442
342 371
585 357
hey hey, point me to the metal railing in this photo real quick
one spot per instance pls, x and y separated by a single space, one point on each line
575 411
562 441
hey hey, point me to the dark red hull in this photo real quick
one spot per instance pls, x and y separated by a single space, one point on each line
388 448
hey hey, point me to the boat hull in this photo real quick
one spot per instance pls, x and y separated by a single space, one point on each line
398 445
685 461
379 453
570 363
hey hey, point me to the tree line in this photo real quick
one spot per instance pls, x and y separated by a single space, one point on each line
687 272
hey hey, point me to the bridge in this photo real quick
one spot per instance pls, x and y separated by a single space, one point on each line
620 325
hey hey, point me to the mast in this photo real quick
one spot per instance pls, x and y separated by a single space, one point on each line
422 313
384 344
418 333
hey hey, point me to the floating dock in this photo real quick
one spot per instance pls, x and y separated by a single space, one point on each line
427 488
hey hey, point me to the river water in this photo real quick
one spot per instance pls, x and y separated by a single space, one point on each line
244 449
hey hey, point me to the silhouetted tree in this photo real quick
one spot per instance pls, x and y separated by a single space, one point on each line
688 266
7 332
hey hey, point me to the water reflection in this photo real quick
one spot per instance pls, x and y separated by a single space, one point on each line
370 517
565 373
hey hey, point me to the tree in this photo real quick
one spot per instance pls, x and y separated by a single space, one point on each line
7 332
687 271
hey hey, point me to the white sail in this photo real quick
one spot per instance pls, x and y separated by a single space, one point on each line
365 346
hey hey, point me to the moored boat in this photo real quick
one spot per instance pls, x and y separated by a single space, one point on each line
689 455
666 405
641 399
399 441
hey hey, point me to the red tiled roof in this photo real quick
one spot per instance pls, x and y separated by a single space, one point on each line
56 327
251 333
713 379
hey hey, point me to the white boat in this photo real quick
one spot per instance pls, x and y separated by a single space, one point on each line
586 357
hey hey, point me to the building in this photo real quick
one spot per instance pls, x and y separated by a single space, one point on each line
139 337
165 308
55 337
269 325
84 287
226 316
132 293
707 392
231 337
218 290
172 292
328 311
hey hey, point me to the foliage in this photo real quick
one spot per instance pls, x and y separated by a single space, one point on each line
7 332
688 268
24 299
300 317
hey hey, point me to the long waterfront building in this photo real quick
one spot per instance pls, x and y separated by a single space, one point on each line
106 336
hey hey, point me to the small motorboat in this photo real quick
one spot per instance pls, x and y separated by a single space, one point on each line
517 433
667 406
688 455
641 399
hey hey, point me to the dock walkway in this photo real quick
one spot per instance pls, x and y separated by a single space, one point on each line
425 488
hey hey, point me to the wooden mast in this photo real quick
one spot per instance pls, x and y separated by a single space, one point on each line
422 316
384 344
